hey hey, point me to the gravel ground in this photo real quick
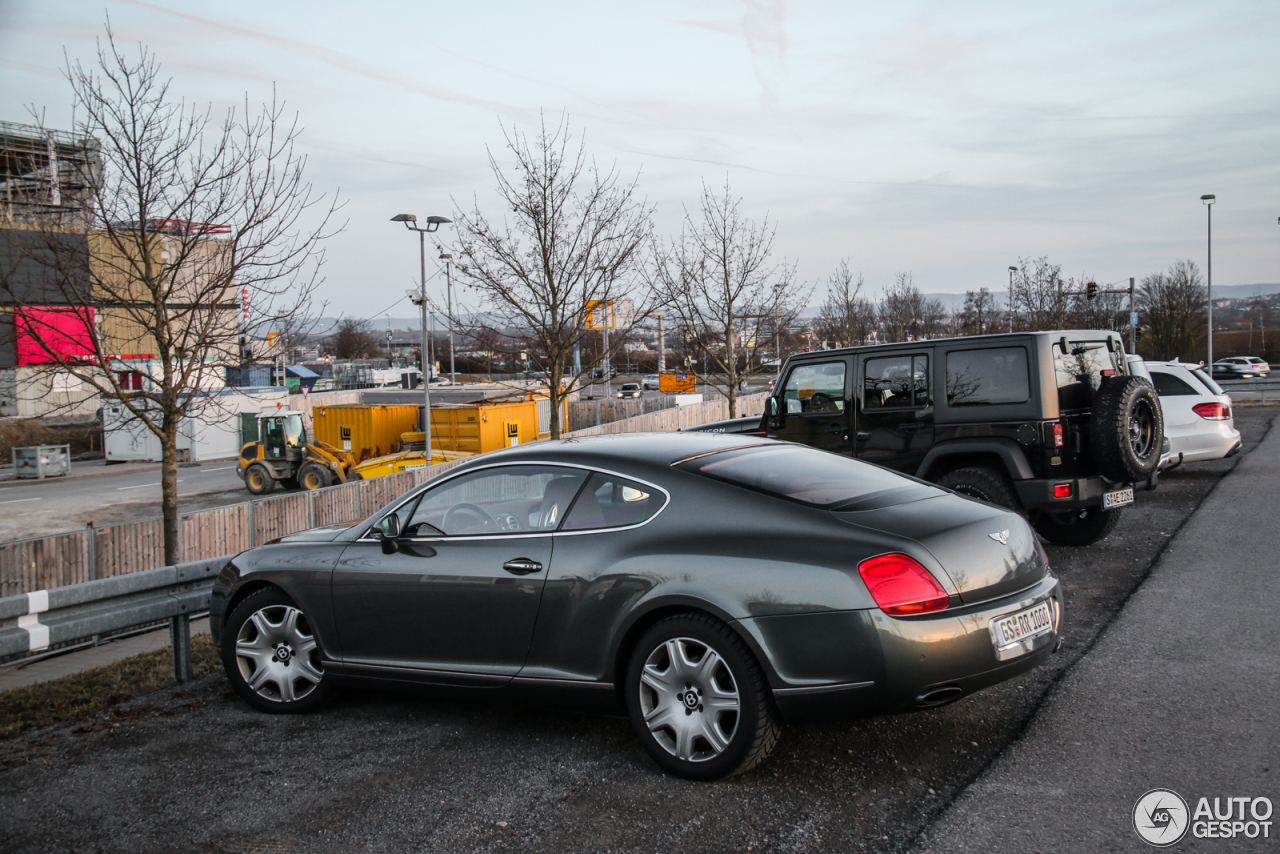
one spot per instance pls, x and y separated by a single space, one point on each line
195 769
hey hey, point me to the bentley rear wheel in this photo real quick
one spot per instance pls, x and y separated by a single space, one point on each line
698 701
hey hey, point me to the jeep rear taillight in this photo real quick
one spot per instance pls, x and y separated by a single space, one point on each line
1212 411
1059 436
901 586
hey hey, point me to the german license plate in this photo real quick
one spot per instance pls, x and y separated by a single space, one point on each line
1015 628
1117 498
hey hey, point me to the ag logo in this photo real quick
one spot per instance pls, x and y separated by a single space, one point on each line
1160 817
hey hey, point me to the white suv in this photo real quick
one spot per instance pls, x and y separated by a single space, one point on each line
1197 412
650 381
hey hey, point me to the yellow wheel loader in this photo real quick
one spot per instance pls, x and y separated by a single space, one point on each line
283 455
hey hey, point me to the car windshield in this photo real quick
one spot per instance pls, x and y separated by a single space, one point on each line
630 386
805 475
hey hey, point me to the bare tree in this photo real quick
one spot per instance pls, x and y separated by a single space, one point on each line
353 340
906 314
1174 305
979 315
575 238
1038 301
846 317
141 305
720 281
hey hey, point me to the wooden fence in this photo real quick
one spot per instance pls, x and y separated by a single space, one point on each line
40 563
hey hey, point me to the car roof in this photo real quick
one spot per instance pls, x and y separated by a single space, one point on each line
623 449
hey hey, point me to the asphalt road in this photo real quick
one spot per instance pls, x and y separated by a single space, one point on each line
197 769
49 507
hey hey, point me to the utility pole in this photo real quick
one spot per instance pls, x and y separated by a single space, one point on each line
1208 200
1133 320
433 223
662 339
448 295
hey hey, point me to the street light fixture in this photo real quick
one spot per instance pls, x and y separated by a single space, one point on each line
433 223
1208 201
1012 270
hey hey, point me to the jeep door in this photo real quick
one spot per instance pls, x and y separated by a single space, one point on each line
894 416
813 404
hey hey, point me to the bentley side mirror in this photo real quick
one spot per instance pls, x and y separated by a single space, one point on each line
389 528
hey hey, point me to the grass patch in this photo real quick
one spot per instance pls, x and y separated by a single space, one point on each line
83 695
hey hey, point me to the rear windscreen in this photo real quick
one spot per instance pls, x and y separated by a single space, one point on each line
1203 375
807 475
1080 371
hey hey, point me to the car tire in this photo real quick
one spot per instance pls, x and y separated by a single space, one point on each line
314 476
1082 527
1127 428
271 657
984 484
700 718
258 480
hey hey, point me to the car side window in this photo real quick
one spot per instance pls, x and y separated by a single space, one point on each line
505 500
815 388
613 502
988 377
1167 385
895 382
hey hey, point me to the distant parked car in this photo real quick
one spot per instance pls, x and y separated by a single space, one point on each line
1240 367
598 373
629 390
1197 413
650 382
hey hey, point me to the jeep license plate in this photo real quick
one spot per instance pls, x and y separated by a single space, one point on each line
1118 498
1024 625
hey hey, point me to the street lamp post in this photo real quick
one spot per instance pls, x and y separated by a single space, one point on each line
1208 201
448 296
433 223
1012 270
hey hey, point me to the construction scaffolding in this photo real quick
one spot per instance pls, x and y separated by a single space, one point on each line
47 177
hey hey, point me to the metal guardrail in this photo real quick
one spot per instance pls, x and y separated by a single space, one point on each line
35 621
1261 386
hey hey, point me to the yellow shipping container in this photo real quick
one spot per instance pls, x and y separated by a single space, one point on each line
481 427
367 431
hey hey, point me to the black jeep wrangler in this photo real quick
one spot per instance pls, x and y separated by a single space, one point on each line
1051 424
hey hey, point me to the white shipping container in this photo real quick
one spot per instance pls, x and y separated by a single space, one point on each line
213 435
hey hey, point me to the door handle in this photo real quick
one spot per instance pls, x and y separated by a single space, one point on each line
522 566
862 437
909 427
834 429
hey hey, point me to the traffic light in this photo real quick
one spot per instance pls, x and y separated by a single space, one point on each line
1137 333
1091 290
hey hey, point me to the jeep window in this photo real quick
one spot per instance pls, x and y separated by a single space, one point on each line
1080 371
987 377
814 388
1167 385
895 382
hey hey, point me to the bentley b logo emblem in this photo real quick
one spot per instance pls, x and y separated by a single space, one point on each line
1002 537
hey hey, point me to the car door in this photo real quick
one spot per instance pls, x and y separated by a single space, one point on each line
457 601
813 405
894 414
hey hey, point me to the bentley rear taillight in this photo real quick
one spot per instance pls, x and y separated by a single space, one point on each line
1212 411
901 586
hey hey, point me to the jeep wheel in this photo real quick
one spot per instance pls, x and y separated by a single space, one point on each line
1127 428
1081 527
984 484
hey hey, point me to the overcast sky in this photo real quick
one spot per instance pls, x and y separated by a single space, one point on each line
946 139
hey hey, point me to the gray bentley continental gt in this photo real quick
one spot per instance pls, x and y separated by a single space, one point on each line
710 586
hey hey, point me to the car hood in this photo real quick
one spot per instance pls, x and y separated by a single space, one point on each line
326 534
964 536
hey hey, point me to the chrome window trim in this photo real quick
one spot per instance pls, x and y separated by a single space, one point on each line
434 482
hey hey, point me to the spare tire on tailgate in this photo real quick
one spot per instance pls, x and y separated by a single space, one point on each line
1127 428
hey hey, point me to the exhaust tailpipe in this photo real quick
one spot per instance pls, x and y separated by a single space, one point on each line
940 696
